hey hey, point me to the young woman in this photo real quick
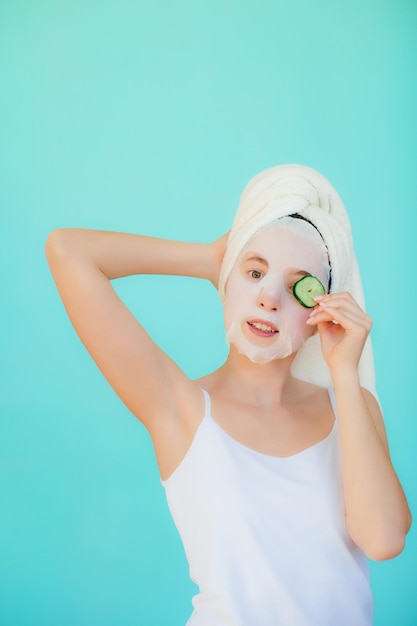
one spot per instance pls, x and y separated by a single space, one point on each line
276 466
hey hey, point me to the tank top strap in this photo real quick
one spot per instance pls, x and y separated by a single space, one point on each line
207 403
332 397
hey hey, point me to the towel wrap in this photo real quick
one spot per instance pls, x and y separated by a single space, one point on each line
284 190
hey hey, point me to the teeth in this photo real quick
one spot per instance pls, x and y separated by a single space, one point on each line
263 327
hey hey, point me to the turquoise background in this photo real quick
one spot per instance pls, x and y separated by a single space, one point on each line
151 117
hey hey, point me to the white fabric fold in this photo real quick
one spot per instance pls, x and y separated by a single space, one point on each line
284 190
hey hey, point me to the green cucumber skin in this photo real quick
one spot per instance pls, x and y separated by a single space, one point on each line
305 299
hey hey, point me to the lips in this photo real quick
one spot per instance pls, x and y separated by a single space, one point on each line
262 328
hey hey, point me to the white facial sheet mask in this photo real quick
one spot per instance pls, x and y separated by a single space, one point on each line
286 245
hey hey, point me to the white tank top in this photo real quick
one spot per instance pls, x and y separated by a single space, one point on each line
265 536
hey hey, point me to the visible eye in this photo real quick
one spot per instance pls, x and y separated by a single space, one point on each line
255 274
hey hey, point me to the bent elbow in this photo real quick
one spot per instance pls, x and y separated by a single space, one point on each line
58 246
380 543
387 549
53 243
381 540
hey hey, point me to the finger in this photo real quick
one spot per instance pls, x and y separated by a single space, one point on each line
349 320
338 307
325 310
339 300
343 303
345 295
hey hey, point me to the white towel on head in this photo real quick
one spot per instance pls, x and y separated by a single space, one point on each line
284 190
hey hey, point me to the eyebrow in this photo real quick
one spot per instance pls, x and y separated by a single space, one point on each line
302 273
254 257
251 257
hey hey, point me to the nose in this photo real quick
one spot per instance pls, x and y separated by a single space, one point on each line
269 300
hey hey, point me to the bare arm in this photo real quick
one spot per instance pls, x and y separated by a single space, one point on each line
83 262
377 513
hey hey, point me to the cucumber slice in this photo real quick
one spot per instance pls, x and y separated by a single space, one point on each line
306 289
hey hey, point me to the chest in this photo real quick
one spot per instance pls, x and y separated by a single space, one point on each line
279 432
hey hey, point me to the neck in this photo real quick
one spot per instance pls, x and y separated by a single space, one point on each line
260 383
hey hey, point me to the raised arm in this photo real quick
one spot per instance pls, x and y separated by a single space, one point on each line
377 514
83 262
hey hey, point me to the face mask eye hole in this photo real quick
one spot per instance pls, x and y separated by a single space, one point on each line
306 289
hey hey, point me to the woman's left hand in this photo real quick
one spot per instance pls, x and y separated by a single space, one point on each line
343 327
